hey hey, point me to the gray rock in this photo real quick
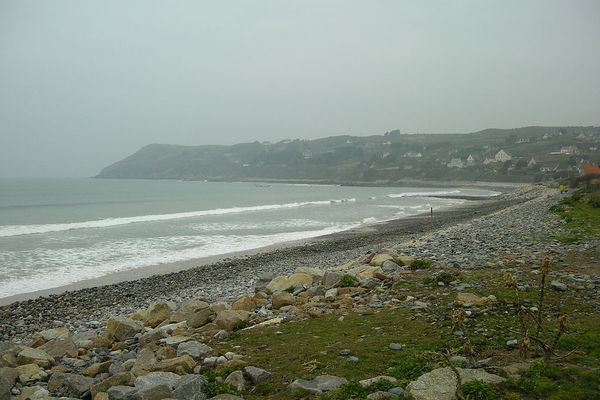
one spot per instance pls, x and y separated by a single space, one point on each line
156 379
396 346
512 343
368 382
121 392
398 391
190 387
236 379
194 349
158 392
73 384
380 395
226 397
440 384
8 376
305 386
331 278
345 352
352 359
255 375
122 328
558 286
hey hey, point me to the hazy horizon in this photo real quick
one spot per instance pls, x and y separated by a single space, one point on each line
85 83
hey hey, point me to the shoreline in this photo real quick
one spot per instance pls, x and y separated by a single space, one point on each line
230 277
179 266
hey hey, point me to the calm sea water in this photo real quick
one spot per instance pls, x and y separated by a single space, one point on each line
59 231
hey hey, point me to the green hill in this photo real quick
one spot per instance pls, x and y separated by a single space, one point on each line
387 158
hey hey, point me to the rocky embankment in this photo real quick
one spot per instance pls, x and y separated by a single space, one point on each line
164 348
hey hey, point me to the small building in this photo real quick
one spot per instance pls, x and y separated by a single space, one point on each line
470 160
488 161
581 136
413 154
307 154
456 163
569 150
532 162
522 140
590 169
502 156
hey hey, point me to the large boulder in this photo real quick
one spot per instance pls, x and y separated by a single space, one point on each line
153 379
190 387
379 258
122 328
74 385
60 347
161 332
54 333
194 349
120 379
196 312
179 365
156 313
35 356
236 380
331 279
282 299
121 392
31 373
245 303
316 273
229 319
96 368
440 384
282 283
8 376
255 375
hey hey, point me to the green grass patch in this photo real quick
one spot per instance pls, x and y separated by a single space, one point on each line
420 263
581 216
348 281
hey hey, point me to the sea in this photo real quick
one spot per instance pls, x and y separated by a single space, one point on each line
55 232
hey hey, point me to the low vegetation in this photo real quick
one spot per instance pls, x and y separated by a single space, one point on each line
581 213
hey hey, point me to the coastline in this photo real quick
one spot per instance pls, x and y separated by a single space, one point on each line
232 275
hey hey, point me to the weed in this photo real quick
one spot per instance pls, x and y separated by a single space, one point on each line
476 390
348 281
420 263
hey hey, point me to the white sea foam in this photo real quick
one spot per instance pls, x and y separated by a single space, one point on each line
15 230
424 194
58 267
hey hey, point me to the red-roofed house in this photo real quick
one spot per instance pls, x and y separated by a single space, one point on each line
590 169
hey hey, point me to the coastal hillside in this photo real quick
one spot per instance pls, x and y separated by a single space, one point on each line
529 154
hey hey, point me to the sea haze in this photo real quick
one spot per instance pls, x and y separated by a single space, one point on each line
55 232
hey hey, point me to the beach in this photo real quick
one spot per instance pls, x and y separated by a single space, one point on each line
225 278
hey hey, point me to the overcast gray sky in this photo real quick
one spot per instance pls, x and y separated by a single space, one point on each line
86 83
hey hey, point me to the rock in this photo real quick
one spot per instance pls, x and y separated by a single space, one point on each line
122 379
352 359
58 348
30 373
194 349
367 272
34 393
156 313
96 368
179 365
558 286
255 375
55 333
161 332
175 341
145 358
440 384
396 346
331 294
379 259
466 299
322 383
512 343
153 379
331 279
380 395
229 319
236 379
398 391
158 392
226 397
74 385
121 392
316 273
404 259
281 283
196 313
245 303
122 328
8 376
282 299
34 356
189 387
368 382
515 370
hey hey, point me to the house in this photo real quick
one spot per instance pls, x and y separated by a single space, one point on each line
307 154
470 160
546 136
522 140
569 150
590 169
502 156
581 136
549 169
532 162
413 154
456 163
489 161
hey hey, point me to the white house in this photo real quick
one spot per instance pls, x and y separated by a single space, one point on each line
531 162
470 160
569 150
502 156
455 163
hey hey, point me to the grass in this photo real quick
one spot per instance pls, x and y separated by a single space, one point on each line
582 218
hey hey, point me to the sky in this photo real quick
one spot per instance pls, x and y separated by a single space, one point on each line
85 83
